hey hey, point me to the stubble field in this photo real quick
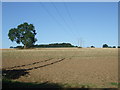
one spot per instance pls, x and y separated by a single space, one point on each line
71 67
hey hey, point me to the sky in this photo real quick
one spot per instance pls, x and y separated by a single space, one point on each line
60 0
79 23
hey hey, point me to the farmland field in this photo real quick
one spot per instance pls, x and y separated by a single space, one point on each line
72 67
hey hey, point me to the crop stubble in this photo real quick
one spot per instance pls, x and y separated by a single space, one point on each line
97 66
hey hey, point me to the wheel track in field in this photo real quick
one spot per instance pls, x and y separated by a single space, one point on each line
45 65
16 73
38 63
28 64
34 63
13 73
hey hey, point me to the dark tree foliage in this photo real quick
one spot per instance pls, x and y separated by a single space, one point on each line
19 47
105 46
24 33
114 46
54 45
11 47
109 46
92 46
118 46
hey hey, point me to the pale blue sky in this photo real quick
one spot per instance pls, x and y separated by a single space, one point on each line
95 23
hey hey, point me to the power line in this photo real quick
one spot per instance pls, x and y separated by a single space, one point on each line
80 42
62 18
41 3
52 16
68 12
70 16
43 6
73 24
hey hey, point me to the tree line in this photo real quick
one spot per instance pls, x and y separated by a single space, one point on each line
54 45
25 34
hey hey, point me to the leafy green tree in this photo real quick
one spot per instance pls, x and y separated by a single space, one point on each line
11 47
105 46
114 46
24 33
92 46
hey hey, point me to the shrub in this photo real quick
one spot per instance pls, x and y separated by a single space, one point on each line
105 46
92 47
